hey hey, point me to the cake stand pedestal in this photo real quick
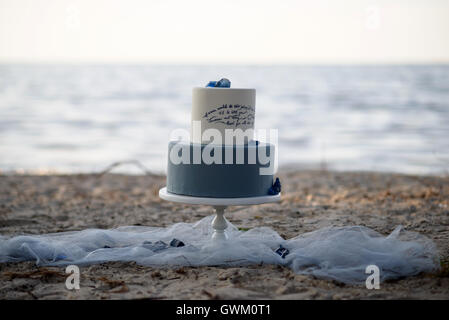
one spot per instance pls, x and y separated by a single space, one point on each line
219 223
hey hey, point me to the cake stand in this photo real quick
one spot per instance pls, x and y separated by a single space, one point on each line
219 223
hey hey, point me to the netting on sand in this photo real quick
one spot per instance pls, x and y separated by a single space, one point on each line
339 253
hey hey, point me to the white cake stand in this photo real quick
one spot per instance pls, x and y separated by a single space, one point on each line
219 223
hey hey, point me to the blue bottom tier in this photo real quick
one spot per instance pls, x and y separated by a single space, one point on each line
252 176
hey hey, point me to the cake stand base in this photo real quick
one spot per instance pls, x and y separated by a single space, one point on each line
219 223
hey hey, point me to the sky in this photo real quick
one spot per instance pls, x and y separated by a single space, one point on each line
224 32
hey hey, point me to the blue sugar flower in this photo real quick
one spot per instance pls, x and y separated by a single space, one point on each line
275 188
222 83
282 251
176 243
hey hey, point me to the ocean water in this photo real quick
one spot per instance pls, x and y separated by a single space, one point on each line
56 118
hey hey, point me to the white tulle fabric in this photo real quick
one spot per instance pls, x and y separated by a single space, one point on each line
339 253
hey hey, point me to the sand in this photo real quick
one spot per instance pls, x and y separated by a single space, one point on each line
311 200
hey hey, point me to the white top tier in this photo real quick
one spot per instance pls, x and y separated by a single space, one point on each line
221 108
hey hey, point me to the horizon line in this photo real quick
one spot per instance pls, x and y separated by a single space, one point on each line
228 64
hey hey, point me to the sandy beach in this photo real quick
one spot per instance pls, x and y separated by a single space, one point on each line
311 200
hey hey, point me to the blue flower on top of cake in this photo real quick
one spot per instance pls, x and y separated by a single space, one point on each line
275 188
223 83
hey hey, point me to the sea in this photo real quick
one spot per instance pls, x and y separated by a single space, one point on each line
83 118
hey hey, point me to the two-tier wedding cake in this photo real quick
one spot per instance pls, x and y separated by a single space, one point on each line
222 159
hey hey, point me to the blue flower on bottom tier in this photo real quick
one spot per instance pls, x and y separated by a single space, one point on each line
275 188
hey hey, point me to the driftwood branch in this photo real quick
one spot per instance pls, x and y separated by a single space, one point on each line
120 163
